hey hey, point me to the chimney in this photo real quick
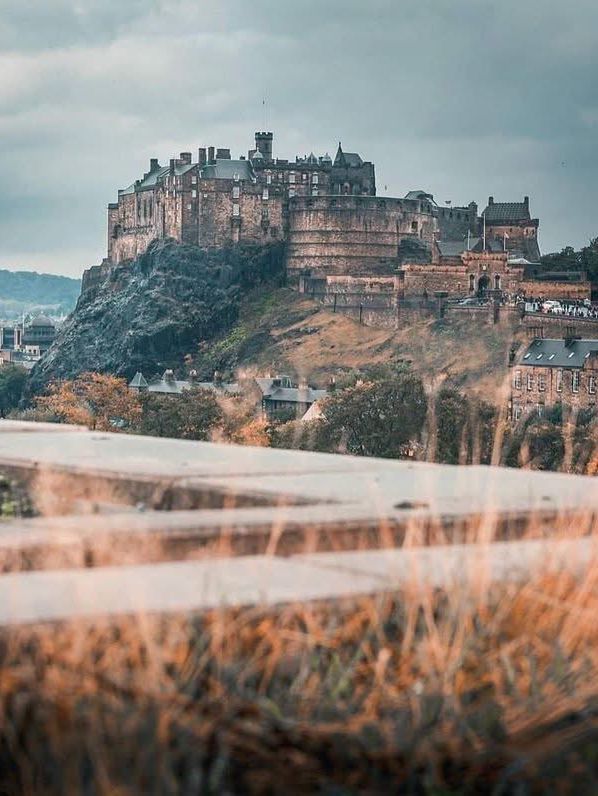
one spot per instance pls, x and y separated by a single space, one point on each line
185 158
171 167
201 156
490 200
154 165
168 376
223 154
526 202
211 154
192 376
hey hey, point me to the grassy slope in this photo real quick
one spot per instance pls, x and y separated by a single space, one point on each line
283 331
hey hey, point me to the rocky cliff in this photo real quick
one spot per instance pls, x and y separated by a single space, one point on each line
149 314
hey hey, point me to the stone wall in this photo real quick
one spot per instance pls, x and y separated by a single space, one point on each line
352 235
556 289
555 326
258 219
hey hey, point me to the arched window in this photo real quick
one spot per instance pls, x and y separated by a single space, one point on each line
471 283
497 281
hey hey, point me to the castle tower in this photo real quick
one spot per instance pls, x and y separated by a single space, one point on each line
263 143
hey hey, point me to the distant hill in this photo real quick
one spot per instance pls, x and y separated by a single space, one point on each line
28 291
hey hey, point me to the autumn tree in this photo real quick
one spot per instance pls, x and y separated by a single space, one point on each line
192 415
378 418
96 400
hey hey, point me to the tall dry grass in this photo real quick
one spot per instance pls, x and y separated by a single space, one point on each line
487 688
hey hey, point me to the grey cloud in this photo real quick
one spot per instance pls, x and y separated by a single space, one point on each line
462 98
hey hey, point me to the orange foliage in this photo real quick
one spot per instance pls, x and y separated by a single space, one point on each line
95 400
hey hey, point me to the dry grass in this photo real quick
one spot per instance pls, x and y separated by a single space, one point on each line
480 690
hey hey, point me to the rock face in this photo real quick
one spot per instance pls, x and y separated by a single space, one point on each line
148 314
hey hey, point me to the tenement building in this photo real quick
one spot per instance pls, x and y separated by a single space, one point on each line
553 372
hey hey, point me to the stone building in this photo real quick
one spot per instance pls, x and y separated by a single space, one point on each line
510 226
219 200
554 371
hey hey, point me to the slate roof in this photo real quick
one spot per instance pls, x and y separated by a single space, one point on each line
138 381
507 212
226 169
558 354
347 158
295 395
155 177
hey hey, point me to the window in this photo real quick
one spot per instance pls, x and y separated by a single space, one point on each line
540 409
414 226
517 380
304 176
236 210
194 194
314 191
265 194
268 179
559 381
575 379
315 179
236 191
516 412
292 178
541 382
530 381
471 282
592 384
189 206
193 180
291 192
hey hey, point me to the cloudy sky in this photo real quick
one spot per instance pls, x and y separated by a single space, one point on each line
463 98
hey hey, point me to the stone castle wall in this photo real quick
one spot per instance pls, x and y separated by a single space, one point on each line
352 235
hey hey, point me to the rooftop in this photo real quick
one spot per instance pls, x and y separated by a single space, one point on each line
559 353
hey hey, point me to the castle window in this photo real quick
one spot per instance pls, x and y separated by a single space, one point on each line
516 412
530 381
236 191
315 179
592 384
559 381
292 177
194 194
268 179
314 191
517 380
471 282
304 176
265 194
291 192
193 180
541 382
575 380
236 210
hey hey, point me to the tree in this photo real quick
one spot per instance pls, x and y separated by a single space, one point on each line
464 428
378 418
192 415
12 383
96 400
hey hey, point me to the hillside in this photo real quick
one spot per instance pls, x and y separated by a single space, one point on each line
28 291
153 313
280 330
178 306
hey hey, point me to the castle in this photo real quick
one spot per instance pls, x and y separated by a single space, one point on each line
331 218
